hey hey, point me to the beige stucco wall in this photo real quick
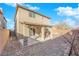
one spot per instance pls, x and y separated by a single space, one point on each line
24 16
25 30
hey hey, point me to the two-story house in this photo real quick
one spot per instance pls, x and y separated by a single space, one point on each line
29 23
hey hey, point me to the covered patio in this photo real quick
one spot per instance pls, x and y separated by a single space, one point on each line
41 33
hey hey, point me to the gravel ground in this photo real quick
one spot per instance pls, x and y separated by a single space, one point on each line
55 47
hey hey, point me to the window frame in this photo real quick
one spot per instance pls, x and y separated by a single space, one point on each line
32 14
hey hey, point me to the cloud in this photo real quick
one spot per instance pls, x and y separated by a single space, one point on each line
67 11
27 5
10 23
71 15
70 22
78 5
0 8
32 7
11 4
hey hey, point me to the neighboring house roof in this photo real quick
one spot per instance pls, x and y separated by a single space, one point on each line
1 11
2 15
4 19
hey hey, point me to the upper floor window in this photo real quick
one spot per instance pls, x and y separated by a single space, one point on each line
31 14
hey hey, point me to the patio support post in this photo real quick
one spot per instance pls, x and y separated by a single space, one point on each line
51 36
42 33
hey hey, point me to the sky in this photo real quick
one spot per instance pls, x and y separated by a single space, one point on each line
58 12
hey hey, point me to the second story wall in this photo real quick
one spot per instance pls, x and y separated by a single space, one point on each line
25 15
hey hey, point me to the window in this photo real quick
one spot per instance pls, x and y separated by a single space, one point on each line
31 14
